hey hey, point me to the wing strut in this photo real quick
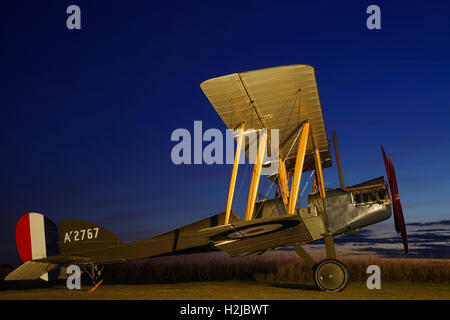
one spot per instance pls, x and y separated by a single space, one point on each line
256 175
298 167
283 178
234 173
319 174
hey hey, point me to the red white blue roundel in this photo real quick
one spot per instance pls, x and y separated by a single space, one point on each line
255 229
36 238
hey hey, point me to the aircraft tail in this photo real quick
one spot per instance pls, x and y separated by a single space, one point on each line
45 252
37 238
78 236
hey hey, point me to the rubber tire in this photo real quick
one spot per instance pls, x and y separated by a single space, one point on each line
322 267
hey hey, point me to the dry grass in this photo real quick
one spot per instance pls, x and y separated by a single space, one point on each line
274 275
272 266
233 290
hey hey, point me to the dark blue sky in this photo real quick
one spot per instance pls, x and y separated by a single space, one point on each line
86 115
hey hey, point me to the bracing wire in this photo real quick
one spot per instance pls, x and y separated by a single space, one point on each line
269 188
306 184
241 184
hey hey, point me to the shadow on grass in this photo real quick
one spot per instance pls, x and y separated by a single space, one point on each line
20 285
24 285
295 286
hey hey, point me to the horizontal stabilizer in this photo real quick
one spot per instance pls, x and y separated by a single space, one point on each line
31 270
65 260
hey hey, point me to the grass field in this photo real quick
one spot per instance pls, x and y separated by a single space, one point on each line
271 266
239 290
274 275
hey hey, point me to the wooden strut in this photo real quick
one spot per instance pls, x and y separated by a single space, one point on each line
256 175
283 181
330 248
298 168
314 186
319 174
234 173
304 255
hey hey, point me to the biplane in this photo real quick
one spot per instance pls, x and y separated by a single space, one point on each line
284 98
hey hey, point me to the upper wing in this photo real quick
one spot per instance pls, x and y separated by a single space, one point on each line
257 235
274 98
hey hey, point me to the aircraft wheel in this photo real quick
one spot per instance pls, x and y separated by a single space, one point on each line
331 275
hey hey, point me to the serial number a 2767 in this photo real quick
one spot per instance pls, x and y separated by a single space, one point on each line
79 235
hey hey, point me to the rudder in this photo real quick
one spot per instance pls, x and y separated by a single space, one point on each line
37 238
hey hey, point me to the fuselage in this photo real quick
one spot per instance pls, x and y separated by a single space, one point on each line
346 211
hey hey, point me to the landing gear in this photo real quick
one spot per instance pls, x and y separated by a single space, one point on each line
331 275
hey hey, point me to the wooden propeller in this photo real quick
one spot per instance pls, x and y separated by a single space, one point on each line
399 219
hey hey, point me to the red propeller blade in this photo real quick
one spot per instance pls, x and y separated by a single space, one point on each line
397 205
399 220
388 173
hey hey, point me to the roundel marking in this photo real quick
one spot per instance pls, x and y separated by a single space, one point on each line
255 230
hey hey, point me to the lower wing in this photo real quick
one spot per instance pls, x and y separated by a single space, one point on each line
257 235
